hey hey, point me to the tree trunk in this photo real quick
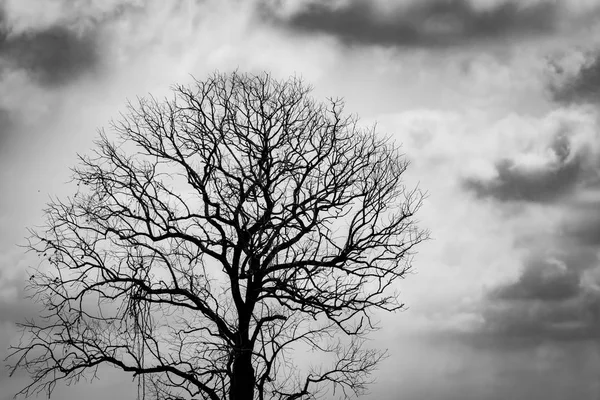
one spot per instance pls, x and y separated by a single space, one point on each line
242 379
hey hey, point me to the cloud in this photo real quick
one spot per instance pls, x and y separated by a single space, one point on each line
35 15
53 56
556 296
541 280
517 183
537 177
56 42
538 310
534 323
584 223
559 175
6 123
580 86
422 23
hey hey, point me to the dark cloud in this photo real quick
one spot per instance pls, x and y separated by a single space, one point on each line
545 184
582 87
53 56
535 321
549 303
421 23
541 280
6 124
556 297
584 225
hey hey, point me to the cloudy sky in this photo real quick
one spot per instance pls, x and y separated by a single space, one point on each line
496 103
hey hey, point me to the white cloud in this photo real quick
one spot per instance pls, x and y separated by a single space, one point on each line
24 16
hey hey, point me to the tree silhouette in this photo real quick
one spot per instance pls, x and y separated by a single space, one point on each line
216 241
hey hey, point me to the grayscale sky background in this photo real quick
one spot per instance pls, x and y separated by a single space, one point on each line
496 103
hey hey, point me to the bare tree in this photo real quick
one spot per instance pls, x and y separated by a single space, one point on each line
215 240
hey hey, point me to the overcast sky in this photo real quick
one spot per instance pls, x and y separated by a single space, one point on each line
496 104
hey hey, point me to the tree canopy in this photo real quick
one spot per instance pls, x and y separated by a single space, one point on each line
218 237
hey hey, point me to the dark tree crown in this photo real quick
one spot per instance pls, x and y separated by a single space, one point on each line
214 234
